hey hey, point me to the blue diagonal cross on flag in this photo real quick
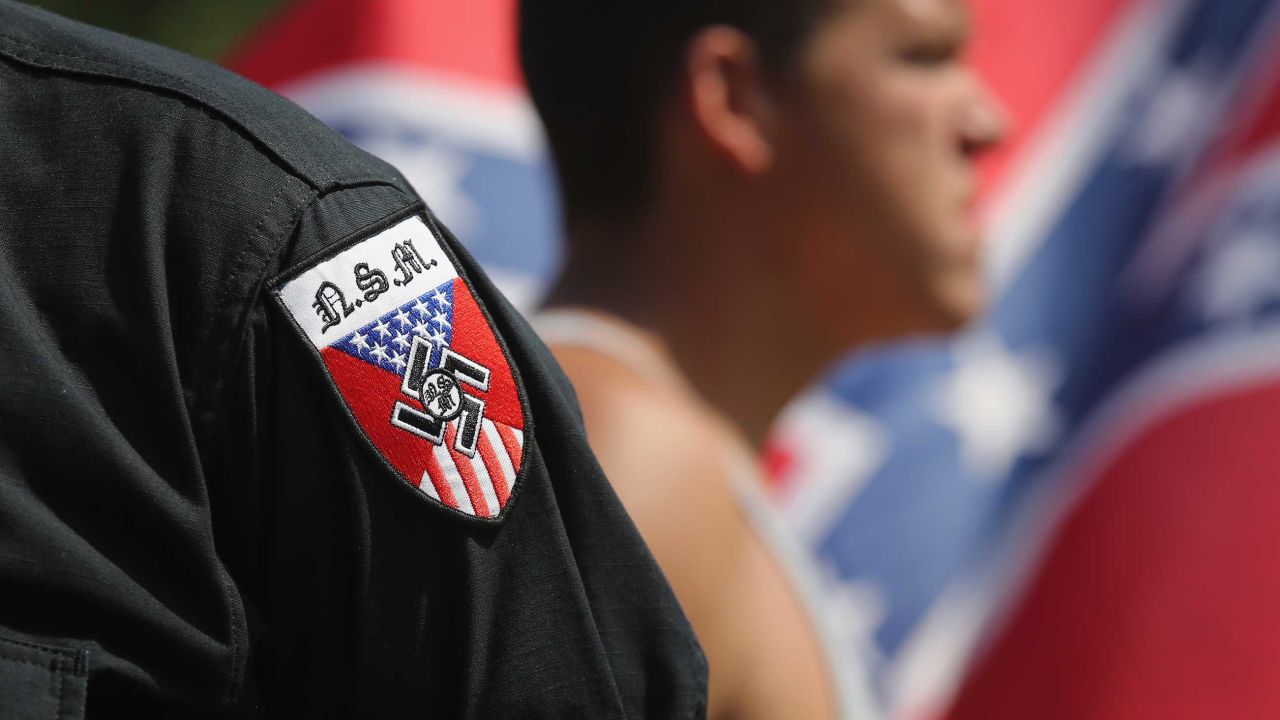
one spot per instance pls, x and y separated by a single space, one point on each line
1016 495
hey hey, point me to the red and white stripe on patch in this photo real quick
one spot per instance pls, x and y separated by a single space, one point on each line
416 362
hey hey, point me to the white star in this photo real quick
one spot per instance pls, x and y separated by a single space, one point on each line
360 341
402 340
999 404
421 307
1241 274
441 320
379 351
437 337
1174 117
440 299
397 360
382 328
403 318
421 328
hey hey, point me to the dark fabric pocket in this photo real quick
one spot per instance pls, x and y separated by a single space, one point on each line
41 682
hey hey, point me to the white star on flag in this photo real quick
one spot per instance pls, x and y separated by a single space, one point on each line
403 318
441 320
1240 275
998 404
420 328
440 299
1176 114
382 328
379 351
421 308
360 341
397 360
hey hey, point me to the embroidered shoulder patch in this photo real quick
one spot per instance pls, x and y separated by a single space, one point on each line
416 360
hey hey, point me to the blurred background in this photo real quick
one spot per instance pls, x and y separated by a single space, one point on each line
206 28
1072 510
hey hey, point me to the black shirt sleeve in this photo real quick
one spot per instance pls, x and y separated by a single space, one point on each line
191 524
535 617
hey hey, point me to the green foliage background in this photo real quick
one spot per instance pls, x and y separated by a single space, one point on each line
207 28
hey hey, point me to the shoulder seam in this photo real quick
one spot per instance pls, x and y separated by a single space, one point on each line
253 257
43 58
255 260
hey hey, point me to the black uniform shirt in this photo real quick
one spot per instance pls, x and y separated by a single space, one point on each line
192 521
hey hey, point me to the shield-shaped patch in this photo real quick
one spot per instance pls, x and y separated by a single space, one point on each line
416 360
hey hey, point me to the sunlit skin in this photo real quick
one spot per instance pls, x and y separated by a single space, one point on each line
876 136
797 214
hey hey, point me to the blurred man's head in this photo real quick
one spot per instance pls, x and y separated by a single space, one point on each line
832 139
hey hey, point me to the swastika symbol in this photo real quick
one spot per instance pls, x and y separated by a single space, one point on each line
440 390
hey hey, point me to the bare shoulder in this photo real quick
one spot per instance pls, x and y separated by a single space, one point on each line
664 452
672 461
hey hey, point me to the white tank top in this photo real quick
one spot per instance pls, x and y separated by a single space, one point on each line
571 327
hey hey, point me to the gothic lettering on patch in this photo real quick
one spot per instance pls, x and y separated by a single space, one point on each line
373 282
408 262
440 389
331 305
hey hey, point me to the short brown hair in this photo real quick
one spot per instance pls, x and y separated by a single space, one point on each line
599 70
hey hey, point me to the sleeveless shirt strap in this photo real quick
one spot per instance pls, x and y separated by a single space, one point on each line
599 333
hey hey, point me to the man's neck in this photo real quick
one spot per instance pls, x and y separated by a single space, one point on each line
729 332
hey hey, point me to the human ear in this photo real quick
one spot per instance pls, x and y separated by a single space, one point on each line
726 97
